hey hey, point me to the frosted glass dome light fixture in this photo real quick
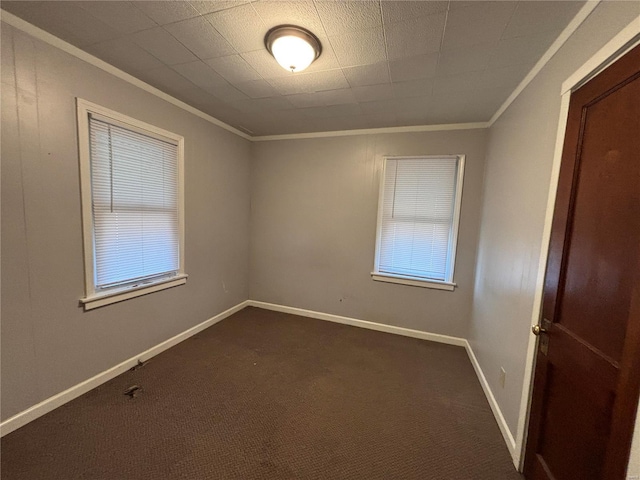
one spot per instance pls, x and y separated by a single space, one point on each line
294 48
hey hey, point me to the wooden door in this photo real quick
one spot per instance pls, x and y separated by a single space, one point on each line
587 372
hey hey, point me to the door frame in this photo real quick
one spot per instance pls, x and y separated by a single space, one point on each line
622 43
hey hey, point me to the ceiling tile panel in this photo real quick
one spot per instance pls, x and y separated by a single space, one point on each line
438 115
241 26
124 54
346 109
122 16
166 79
344 16
414 104
226 92
470 59
413 88
196 95
200 74
364 75
483 22
209 6
337 97
326 98
336 123
417 36
302 13
488 96
283 115
413 68
380 106
398 11
263 63
481 106
359 48
520 50
530 18
407 119
257 89
378 120
327 59
383 64
303 100
453 100
234 68
503 77
276 128
159 43
210 104
371 93
201 38
164 12
272 104
309 83
455 83
65 20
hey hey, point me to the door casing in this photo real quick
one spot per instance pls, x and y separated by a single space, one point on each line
626 40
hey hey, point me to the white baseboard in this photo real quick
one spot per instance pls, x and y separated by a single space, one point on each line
51 403
497 413
380 327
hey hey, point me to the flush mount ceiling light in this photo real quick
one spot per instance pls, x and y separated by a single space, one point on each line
294 48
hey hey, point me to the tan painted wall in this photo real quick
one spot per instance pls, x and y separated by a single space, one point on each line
519 159
48 342
313 227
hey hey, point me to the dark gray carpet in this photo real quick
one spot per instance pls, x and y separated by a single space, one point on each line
264 395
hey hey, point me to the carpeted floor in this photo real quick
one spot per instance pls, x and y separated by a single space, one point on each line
265 395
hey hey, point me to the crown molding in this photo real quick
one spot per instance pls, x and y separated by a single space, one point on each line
628 38
54 41
569 30
374 131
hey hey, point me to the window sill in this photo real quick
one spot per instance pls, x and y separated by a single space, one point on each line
412 281
113 296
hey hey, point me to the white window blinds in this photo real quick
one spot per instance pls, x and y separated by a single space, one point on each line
416 231
134 190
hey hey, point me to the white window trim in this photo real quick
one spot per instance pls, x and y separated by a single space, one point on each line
92 298
448 284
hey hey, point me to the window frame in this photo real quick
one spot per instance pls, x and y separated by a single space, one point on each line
94 298
448 283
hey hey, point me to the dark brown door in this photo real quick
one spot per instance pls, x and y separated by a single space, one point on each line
587 373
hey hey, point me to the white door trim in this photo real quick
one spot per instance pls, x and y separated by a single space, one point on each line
628 38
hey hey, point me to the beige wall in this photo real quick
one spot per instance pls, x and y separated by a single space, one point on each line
519 159
313 227
48 342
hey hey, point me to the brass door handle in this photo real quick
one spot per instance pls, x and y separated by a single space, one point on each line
537 330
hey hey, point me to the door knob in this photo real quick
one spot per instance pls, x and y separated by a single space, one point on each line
537 330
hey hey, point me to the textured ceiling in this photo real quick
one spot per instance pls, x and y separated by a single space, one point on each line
384 63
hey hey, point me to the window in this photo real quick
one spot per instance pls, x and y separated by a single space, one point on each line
418 213
132 206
